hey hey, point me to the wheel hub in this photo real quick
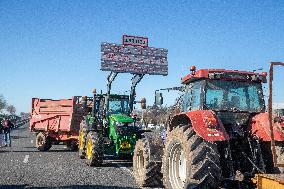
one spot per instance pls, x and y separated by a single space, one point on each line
177 166
140 162
81 140
89 149
40 141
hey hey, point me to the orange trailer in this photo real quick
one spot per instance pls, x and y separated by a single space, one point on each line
56 121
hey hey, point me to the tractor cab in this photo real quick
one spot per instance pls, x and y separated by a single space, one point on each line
223 90
118 104
223 95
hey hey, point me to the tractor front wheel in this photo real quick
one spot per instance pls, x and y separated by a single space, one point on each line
146 169
94 149
189 161
43 142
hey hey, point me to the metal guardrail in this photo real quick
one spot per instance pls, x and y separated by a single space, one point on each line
17 121
20 123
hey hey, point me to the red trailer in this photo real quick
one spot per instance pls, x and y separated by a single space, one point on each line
56 121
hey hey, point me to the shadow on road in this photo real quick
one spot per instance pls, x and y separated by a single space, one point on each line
110 161
66 187
18 137
117 164
36 151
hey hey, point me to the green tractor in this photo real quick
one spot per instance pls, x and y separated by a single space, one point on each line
109 127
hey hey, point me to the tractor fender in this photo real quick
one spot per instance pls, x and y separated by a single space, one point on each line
204 122
260 128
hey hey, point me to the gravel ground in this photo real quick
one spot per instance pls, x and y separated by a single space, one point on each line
22 166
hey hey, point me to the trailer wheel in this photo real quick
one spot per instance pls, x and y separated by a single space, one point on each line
82 139
94 149
147 170
189 161
43 142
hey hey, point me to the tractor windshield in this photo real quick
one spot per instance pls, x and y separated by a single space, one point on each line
118 106
234 96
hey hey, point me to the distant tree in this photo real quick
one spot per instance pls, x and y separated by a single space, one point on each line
11 109
161 114
3 103
156 114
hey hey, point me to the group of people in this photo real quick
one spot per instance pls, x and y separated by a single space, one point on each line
5 128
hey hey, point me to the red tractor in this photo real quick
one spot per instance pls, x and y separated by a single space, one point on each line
219 137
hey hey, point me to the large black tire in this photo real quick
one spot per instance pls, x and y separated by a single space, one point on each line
94 149
189 161
280 155
146 166
43 142
82 139
268 157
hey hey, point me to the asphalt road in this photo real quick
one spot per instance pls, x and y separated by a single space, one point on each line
23 166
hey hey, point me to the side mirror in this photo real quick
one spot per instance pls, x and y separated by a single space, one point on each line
143 103
159 100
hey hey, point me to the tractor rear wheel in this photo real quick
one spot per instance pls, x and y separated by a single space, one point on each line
147 170
82 139
189 161
94 149
43 142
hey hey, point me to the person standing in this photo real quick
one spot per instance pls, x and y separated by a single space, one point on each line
1 134
7 128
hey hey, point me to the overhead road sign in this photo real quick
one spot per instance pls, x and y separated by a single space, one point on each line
134 59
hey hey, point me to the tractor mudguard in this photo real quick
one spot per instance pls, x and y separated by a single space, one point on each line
204 122
260 128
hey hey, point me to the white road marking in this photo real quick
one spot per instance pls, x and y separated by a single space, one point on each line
26 159
32 141
124 168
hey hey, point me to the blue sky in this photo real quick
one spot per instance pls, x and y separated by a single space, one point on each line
51 49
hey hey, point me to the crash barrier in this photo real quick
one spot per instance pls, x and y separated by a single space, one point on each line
20 123
17 121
